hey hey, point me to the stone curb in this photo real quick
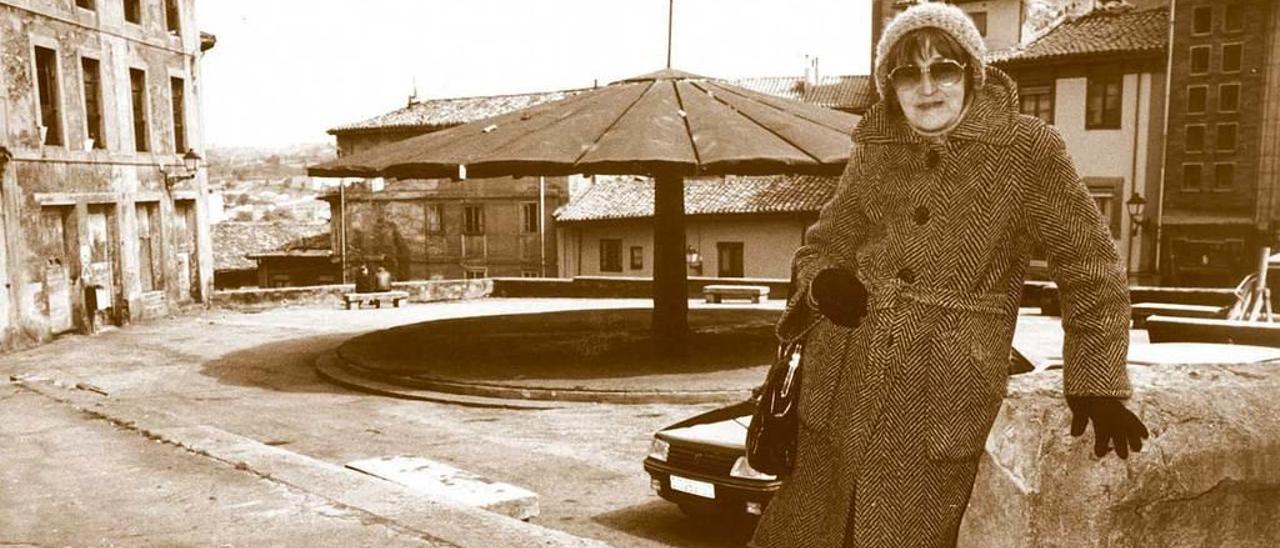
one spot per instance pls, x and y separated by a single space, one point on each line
387 502
359 375
332 368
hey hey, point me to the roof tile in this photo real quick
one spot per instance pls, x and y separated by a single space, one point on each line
1101 31
627 197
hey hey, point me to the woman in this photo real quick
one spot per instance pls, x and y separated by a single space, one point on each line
911 280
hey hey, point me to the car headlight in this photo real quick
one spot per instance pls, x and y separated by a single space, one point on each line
743 469
658 449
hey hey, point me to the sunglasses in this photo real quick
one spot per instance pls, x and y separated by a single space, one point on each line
943 73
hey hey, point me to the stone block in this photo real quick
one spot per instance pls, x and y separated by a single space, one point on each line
1208 476
442 481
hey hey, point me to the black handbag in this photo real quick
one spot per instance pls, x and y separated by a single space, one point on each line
771 437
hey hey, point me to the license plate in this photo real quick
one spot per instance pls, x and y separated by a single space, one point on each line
693 487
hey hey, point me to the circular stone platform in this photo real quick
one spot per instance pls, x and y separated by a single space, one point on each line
581 355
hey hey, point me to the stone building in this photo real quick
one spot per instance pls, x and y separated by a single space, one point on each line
103 222
1222 167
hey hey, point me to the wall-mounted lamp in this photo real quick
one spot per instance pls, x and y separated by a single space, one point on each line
693 259
190 163
1136 205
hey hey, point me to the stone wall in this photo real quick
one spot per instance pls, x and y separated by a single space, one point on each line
419 292
1208 476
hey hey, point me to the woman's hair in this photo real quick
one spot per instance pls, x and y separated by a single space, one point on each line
918 43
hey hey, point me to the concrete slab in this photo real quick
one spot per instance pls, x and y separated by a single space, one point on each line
440 480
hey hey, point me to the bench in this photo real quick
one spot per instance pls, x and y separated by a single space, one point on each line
376 297
1142 310
714 293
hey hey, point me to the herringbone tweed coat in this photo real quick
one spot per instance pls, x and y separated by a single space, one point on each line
895 413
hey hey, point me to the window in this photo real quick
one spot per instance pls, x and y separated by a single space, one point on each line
177 93
133 11
172 19
1197 99
529 217
637 257
610 255
729 259
86 4
1224 176
1234 19
1104 190
980 21
1200 59
476 273
1103 102
1228 97
92 77
149 263
473 219
435 218
1232 54
50 102
530 274
1202 20
1191 176
1226 137
138 94
1037 101
1195 138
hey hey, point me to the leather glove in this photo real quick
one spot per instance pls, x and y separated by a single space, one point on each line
839 296
1113 424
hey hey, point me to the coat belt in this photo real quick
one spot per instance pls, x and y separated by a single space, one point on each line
888 293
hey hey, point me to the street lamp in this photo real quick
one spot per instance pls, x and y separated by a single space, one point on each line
1136 204
190 162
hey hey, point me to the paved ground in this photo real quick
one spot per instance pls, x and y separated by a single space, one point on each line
228 405
251 375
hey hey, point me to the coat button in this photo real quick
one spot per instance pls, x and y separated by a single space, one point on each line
931 159
921 215
907 276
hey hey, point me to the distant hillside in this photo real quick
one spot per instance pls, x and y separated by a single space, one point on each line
248 163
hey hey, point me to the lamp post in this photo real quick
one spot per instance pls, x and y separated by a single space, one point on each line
1135 204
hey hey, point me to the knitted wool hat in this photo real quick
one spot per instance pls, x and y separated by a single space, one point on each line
945 17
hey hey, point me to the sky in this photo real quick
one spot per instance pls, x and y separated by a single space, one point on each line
285 71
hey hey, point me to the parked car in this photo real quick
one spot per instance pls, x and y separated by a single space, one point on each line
700 463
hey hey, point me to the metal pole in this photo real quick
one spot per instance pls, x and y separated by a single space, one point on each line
542 227
671 7
342 221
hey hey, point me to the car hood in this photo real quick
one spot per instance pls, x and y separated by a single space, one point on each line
728 433
1171 354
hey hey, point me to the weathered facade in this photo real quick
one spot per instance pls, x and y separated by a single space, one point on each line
441 229
102 222
1220 166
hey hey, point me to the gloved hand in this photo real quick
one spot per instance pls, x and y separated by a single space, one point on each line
1113 424
839 296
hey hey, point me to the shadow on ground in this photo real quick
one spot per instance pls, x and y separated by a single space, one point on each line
662 521
285 366
579 344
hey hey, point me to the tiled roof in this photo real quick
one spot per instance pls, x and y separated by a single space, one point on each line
232 240
851 93
442 113
625 197
1101 31
854 93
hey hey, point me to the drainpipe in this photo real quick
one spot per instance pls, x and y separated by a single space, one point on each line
1164 150
1133 171
542 227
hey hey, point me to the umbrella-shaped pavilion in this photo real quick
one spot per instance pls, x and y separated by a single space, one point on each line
667 124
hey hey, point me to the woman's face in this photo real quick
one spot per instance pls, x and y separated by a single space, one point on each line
929 102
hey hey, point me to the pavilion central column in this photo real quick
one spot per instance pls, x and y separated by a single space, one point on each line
670 292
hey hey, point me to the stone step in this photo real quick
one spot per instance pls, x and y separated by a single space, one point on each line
442 481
